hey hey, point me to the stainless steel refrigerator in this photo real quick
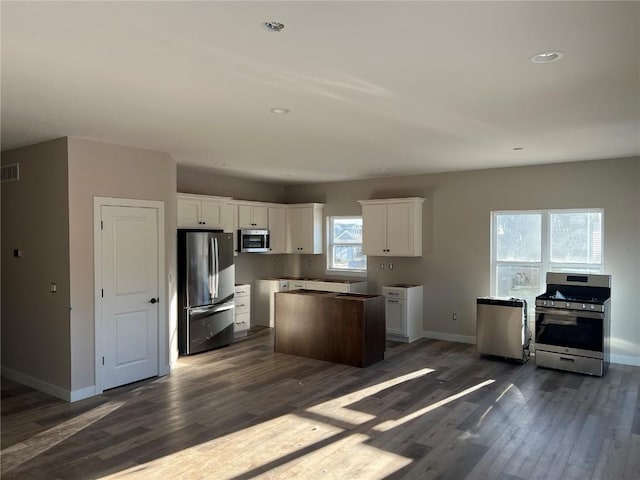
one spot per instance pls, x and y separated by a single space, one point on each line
206 284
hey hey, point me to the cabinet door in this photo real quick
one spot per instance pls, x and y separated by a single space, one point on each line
245 216
188 213
260 216
400 229
252 216
211 214
396 316
293 230
277 220
374 230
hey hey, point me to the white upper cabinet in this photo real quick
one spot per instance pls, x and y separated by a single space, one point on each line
304 228
277 221
203 211
252 215
392 227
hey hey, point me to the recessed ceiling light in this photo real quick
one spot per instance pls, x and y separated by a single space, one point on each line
280 110
546 57
273 26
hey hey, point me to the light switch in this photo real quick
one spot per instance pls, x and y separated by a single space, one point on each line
381 265
17 252
390 266
54 287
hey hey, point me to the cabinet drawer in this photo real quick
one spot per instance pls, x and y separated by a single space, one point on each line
241 322
243 290
242 305
394 292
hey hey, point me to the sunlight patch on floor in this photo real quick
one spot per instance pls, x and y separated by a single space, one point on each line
388 425
285 447
24 451
336 408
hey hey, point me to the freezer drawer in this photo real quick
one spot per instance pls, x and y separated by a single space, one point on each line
207 328
500 328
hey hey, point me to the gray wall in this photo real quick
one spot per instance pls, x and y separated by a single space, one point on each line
35 219
104 170
455 266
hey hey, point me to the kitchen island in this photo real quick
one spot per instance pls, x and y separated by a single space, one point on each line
344 328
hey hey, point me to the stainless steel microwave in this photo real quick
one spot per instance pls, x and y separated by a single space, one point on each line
256 240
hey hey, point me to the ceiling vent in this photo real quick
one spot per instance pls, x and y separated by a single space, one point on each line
10 172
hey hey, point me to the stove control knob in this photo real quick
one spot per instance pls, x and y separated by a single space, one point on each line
584 306
593 307
544 302
568 305
552 304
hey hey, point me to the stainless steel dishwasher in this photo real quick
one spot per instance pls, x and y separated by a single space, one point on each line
501 328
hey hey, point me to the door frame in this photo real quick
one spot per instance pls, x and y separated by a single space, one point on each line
98 203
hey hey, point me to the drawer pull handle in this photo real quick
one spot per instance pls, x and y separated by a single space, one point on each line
568 359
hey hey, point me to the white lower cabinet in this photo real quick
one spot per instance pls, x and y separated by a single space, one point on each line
242 310
297 284
264 300
403 312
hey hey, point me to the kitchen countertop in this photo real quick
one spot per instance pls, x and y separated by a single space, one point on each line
337 295
308 279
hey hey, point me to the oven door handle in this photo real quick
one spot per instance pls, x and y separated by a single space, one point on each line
570 313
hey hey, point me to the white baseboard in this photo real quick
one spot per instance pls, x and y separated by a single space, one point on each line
82 393
625 359
29 381
450 337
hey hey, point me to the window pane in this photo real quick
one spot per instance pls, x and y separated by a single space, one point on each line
347 230
349 257
518 281
576 237
518 237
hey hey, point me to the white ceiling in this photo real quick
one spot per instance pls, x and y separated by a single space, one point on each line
374 88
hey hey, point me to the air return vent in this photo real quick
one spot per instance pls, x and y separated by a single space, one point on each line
10 172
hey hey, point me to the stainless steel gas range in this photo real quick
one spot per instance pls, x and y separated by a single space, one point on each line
573 322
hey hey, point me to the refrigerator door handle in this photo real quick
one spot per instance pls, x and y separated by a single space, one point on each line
211 310
211 269
216 259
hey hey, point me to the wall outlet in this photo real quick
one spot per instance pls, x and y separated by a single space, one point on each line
454 316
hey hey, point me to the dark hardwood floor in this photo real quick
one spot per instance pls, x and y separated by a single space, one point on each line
431 409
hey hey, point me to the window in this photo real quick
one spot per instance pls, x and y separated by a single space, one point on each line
527 244
344 245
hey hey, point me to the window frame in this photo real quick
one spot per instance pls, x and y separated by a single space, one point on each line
545 264
329 270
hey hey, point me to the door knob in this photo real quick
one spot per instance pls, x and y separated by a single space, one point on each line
154 300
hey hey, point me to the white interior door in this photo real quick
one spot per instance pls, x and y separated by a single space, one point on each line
129 257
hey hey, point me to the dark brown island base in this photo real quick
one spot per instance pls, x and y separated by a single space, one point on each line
344 328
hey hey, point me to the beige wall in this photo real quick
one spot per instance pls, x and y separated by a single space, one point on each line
203 182
35 219
455 266
104 170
